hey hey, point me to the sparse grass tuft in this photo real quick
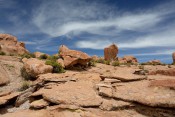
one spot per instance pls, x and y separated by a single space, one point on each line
100 60
30 55
92 63
57 67
25 85
115 63
25 75
107 62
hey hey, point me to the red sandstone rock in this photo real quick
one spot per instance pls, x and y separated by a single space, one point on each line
168 72
73 57
110 52
130 59
10 45
35 67
155 62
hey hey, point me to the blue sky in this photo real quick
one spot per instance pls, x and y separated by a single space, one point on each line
143 28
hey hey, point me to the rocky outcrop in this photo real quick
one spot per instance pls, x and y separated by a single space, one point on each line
4 78
141 92
128 59
39 104
76 93
34 67
10 45
73 57
168 72
173 55
168 83
5 99
38 54
154 62
110 52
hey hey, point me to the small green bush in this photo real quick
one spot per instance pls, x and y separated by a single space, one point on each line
100 60
44 56
115 63
57 68
92 63
2 53
107 62
30 55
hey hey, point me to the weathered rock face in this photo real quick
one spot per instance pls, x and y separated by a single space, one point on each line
80 94
110 53
155 62
130 59
168 72
4 79
73 57
35 67
95 57
10 45
38 54
60 61
151 96
173 55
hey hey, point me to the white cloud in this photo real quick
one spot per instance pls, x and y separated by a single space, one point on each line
91 17
162 52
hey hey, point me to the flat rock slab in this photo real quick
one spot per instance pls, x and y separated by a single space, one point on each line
141 92
169 83
28 113
111 104
39 104
122 74
79 93
5 99
122 77
76 113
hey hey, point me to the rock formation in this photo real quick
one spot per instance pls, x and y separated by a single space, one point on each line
154 62
10 45
128 59
38 54
110 52
73 57
173 55
34 67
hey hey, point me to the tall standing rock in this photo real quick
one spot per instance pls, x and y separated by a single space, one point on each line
173 55
110 52
10 45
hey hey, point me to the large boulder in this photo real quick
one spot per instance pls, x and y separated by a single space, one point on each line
39 54
154 62
130 59
10 45
110 52
34 67
173 55
73 57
